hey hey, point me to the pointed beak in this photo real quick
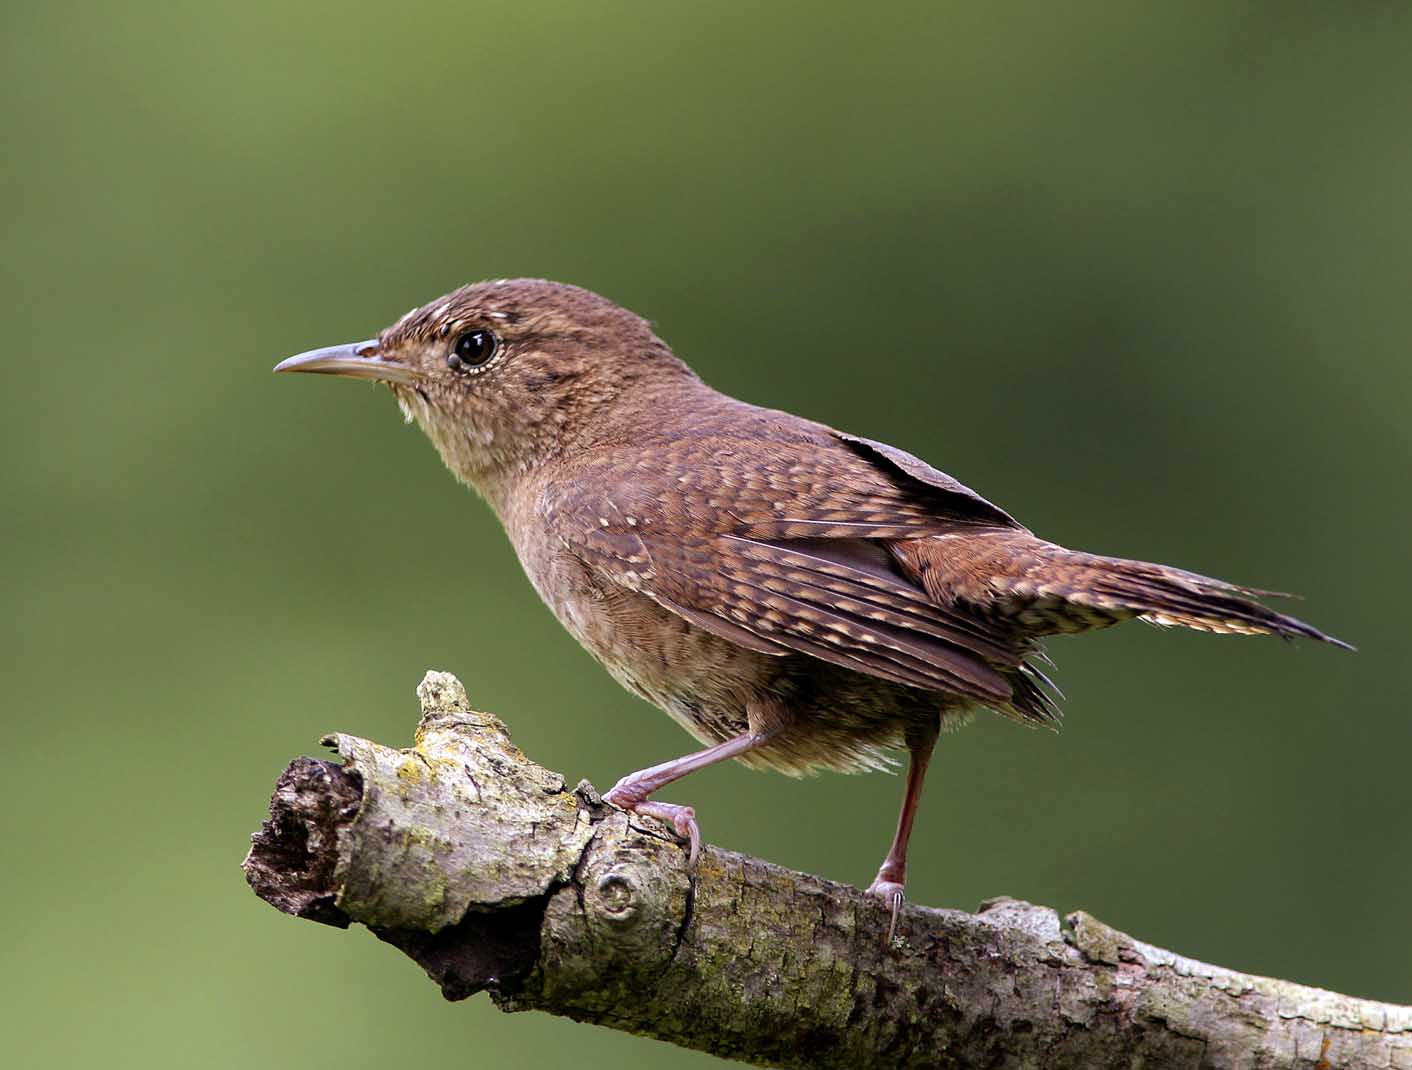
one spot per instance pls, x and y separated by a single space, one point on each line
357 360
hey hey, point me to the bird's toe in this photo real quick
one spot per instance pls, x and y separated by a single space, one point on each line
891 893
681 818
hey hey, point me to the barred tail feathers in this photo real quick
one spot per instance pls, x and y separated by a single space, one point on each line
1059 590
1045 589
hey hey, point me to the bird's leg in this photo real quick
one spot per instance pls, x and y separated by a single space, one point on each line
631 793
892 874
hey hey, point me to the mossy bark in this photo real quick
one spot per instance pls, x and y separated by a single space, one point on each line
488 871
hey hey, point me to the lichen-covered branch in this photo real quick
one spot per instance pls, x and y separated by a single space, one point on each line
484 868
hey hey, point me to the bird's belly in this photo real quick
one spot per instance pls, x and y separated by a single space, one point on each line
703 682
839 719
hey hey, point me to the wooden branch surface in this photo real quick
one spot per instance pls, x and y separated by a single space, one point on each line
488 871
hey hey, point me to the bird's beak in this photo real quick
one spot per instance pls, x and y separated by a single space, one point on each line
358 360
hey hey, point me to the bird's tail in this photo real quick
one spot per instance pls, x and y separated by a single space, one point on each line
1049 590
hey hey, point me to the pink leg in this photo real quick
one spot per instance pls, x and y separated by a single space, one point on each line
892 874
631 793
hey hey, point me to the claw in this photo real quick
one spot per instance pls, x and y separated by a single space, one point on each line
891 893
682 819
686 826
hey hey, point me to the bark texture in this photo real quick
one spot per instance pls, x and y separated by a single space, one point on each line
494 876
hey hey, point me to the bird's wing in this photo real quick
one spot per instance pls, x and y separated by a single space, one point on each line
783 547
949 499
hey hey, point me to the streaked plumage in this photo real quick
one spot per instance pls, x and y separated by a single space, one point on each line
794 596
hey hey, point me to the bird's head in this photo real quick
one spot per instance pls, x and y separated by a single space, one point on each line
504 375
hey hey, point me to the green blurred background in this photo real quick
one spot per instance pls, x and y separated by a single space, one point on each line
1137 272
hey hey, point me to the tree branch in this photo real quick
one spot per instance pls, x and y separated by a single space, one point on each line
482 866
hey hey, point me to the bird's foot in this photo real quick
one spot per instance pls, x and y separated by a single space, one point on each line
891 893
682 819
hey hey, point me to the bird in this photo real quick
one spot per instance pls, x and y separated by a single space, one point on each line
796 597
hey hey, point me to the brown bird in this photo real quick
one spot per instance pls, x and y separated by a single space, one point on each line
797 598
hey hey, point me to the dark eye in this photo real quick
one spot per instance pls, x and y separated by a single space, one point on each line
472 350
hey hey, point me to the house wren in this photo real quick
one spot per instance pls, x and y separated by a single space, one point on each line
797 598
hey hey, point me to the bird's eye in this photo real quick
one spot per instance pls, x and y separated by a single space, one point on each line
472 350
